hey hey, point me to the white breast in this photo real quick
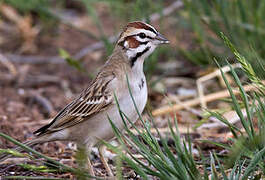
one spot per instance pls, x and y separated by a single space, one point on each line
139 92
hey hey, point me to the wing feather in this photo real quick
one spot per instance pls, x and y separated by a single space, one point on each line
94 99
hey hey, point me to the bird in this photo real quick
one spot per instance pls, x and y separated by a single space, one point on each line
85 120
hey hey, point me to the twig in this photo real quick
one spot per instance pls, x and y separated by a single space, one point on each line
181 129
69 22
196 101
208 77
5 169
93 47
166 11
24 25
192 110
41 80
34 59
5 61
6 79
44 102
231 116
90 48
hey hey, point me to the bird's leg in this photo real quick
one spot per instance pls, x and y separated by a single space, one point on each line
101 150
83 160
89 166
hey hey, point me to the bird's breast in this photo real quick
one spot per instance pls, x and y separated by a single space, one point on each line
138 94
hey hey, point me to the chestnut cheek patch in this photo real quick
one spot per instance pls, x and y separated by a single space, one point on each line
133 43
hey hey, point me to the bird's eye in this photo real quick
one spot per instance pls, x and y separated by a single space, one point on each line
142 35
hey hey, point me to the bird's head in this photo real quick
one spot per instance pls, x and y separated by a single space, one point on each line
139 40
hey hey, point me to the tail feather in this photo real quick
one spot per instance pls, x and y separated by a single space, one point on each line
30 143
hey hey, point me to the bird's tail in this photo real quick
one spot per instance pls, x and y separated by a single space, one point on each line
30 143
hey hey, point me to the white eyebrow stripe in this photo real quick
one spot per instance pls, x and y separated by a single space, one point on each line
151 27
147 32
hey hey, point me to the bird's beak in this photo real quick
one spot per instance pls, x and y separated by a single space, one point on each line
161 39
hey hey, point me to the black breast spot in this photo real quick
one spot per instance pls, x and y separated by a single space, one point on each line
141 84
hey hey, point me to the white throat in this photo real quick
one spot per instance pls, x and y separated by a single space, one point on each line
138 67
137 55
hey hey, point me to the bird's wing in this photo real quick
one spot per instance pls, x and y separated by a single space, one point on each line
97 97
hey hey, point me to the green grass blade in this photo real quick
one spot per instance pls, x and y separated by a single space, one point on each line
245 99
236 105
30 177
56 164
253 163
220 167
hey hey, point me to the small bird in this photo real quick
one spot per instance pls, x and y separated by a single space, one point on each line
85 120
